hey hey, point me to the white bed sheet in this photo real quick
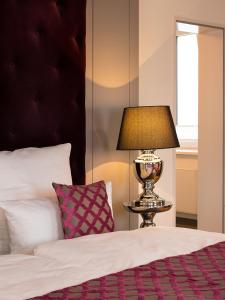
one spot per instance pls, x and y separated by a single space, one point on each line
59 264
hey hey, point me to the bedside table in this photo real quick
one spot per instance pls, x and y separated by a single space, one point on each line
147 213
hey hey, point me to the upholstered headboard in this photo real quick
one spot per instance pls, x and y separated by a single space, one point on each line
42 76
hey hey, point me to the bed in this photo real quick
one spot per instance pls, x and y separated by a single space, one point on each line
42 104
61 264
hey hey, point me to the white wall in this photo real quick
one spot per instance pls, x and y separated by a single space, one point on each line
210 185
157 74
111 84
112 50
186 184
203 191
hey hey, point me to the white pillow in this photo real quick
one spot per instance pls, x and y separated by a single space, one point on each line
108 187
28 173
31 222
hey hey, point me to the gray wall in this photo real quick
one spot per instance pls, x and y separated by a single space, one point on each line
111 84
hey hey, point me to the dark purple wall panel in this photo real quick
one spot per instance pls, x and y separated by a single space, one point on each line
42 76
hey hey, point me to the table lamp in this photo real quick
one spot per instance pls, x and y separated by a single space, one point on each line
147 128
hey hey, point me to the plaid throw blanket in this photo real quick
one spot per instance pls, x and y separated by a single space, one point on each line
199 275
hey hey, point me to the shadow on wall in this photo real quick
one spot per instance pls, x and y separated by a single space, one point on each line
157 86
156 70
104 111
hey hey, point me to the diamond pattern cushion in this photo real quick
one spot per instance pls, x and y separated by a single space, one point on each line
85 209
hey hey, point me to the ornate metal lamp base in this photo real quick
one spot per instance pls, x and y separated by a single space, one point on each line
147 219
148 167
147 213
158 202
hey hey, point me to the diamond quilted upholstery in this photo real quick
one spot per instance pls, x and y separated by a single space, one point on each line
42 76
85 209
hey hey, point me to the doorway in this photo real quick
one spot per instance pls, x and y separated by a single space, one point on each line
199 160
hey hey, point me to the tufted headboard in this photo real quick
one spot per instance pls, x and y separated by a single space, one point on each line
42 76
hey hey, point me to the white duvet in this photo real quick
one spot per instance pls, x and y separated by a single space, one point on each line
64 263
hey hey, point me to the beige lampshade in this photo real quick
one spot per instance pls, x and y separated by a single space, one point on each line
147 127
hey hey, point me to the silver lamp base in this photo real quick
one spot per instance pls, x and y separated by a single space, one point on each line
148 169
149 203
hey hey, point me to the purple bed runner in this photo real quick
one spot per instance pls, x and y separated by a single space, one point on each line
199 275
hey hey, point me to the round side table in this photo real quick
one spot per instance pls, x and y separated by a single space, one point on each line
147 213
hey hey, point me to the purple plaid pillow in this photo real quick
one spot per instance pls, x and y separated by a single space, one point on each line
85 209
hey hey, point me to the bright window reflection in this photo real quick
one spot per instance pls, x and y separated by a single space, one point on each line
187 87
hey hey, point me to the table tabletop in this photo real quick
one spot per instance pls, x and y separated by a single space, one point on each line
129 206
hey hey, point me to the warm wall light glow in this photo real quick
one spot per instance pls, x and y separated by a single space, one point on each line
110 79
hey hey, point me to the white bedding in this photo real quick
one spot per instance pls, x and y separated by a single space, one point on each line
28 174
64 263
